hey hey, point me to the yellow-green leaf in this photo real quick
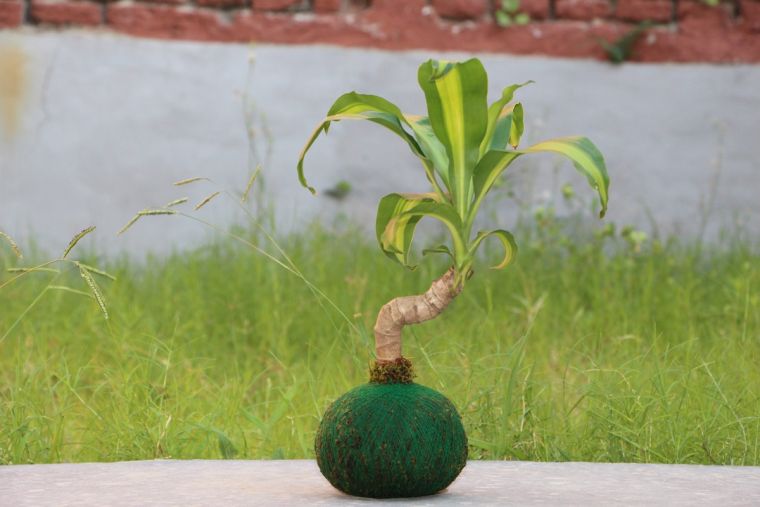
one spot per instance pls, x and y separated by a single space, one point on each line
356 106
516 127
496 134
585 157
456 96
398 216
507 240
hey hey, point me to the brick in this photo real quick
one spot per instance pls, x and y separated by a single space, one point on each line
403 6
166 22
695 16
164 2
750 15
276 5
536 9
327 6
660 11
220 3
11 13
585 10
461 9
56 12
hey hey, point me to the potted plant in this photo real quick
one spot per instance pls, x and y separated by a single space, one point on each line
393 437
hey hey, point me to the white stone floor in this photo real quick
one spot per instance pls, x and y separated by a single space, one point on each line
298 482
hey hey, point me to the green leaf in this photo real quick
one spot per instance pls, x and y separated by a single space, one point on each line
431 146
500 120
487 172
522 18
502 18
226 447
356 106
580 150
396 243
510 5
586 158
456 96
440 249
397 218
507 240
517 127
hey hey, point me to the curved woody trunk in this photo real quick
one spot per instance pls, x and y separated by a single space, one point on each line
405 310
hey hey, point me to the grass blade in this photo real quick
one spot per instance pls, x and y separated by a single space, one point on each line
31 270
69 289
251 181
81 234
95 290
129 224
187 181
96 271
206 201
12 243
151 212
176 202
145 212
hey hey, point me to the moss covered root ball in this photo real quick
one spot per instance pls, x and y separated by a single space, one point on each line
391 440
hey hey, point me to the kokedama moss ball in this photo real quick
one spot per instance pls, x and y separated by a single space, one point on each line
391 440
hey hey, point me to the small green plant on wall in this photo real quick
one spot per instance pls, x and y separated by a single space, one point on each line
621 49
508 14
393 437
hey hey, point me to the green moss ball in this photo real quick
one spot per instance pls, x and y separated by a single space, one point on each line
391 440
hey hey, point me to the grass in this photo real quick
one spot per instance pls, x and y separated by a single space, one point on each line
584 351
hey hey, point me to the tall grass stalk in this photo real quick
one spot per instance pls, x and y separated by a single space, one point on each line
220 353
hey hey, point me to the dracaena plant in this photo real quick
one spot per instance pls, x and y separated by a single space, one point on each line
464 145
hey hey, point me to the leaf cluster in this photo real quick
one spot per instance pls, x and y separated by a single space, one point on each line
464 145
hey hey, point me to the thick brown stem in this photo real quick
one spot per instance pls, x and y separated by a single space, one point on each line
407 310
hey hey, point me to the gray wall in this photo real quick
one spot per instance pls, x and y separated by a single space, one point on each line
94 127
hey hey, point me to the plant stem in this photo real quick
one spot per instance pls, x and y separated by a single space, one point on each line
406 310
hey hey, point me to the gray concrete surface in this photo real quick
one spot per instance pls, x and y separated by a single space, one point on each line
298 482
98 126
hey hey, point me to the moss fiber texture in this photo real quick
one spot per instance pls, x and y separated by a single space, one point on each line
391 440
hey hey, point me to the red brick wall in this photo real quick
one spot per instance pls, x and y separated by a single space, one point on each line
684 30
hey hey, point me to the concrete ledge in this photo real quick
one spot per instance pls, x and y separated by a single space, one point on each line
298 482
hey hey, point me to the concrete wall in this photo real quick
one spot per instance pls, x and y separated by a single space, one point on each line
94 127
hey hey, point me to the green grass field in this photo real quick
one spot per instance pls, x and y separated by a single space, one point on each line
576 352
